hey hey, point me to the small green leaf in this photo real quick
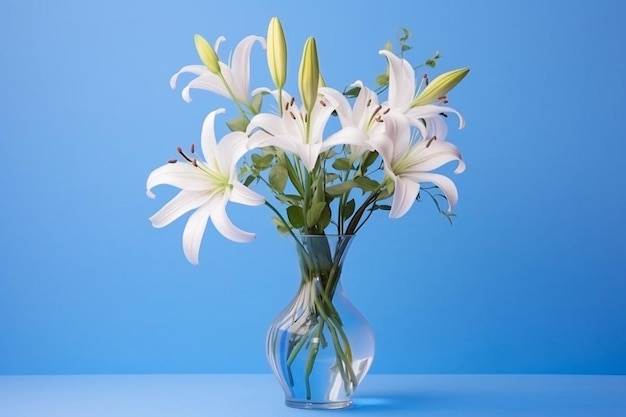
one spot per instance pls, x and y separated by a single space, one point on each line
370 158
290 199
342 188
352 92
325 217
382 79
280 226
278 178
238 124
406 48
384 207
262 162
342 164
366 184
313 214
294 214
331 177
348 209
249 180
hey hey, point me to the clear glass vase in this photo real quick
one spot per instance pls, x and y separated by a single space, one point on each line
320 347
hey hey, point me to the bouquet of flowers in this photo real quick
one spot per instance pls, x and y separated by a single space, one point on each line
316 183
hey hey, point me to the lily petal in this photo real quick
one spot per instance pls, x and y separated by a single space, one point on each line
223 225
401 81
244 195
404 196
183 202
182 176
194 231
445 184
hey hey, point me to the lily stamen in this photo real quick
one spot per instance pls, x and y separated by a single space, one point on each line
293 116
431 141
180 151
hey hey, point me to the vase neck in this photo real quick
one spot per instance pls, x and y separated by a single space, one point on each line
321 259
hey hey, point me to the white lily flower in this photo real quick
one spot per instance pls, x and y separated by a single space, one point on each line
409 162
366 114
236 75
299 132
206 186
402 92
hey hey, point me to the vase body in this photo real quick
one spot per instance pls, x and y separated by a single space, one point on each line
320 347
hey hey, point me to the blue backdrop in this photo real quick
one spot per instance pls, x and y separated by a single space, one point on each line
529 279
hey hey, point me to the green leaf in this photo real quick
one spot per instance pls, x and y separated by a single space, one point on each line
331 177
406 48
249 180
294 214
313 214
384 207
290 199
382 79
278 178
369 160
280 226
366 184
431 63
352 92
342 164
348 209
262 162
325 217
342 188
257 101
238 124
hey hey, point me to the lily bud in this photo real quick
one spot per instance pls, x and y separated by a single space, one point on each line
207 55
309 75
440 86
277 53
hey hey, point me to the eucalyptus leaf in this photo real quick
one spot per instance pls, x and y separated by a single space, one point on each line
278 178
342 164
382 79
366 184
290 199
325 218
313 214
348 209
262 162
295 216
249 180
238 124
344 187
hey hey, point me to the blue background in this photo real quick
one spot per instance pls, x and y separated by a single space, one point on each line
529 279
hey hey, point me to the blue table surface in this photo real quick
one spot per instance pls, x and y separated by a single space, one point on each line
226 395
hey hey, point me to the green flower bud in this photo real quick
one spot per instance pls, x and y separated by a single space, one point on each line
207 55
440 86
277 53
309 75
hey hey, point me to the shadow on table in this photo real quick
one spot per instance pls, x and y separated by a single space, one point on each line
407 401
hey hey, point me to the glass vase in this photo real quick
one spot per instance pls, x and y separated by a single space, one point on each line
320 347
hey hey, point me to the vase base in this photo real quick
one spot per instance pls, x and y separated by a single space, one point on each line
310 405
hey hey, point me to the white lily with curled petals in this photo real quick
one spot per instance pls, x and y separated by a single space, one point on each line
299 132
234 78
425 115
409 163
365 115
206 187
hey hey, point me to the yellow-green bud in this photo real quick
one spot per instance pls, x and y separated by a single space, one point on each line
440 86
207 55
309 75
277 53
